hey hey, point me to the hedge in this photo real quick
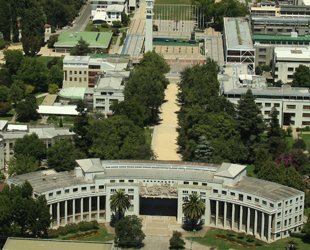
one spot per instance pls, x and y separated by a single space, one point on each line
297 235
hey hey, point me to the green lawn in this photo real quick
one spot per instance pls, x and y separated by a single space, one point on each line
290 141
210 240
307 211
103 236
90 25
40 100
250 171
46 59
8 116
147 133
114 39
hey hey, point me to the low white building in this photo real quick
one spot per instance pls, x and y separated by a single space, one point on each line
48 133
109 14
101 6
292 104
233 201
287 59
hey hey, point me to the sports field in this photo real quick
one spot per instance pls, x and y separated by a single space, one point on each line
173 2
184 12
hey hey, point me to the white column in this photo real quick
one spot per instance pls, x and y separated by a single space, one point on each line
217 214
89 208
73 210
58 214
51 213
248 221
240 218
225 214
262 226
232 216
66 212
98 208
255 223
82 209
269 228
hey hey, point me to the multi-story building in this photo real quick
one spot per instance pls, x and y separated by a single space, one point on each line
47 133
292 104
80 71
273 10
238 44
233 201
286 60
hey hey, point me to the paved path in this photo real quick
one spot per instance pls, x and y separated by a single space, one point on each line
165 134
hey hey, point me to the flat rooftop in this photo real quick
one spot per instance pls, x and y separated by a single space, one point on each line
95 39
75 93
266 189
299 54
43 181
41 244
238 34
272 91
280 38
282 19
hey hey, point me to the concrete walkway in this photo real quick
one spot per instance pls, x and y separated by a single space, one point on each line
165 134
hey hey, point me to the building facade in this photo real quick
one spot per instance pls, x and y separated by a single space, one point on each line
233 201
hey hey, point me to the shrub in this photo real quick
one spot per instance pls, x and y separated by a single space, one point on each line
62 231
95 29
176 240
52 118
117 24
289 131
231 233
105 25
266 68
94 224
115 32
297 235
241 235
122 38
250 238
85 226
71 228
52 233
299 144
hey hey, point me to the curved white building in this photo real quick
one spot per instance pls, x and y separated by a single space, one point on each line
233 201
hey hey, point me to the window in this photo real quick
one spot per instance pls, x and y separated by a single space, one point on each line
267 105
264 202
300 217
249 198
262 50
101 187
83 188
306 107
185 192
131 197
290 211
286 212
92 188
305 114
195 183
279 204
80 72
240 197
70 72
224 192
113 190
305 123
85 79
262 56
203 193
290 221
50 194
278 224
112 181
70 79
279 214
295 219
290 69
256 200
271 205
130 208
75 79
130 181
296 209
232 194
215 191
186 182
291 202
58 192
300 207
67 191
286 203
267 112
297 199
185 198
75 189
291 106
130 190
285 223
301 198
277 105
194 192
121 180
85 73
204 184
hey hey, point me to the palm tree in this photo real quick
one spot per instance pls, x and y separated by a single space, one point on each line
120 202
193 208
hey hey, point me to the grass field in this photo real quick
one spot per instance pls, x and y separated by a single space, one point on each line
173 2
147 133
46 59
90 25
250 171
103 236
173 12
290 141
210 240
114 39
8 116
40 100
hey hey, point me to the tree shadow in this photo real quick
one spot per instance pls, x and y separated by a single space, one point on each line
189 227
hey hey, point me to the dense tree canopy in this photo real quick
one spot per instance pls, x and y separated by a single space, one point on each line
81 49
301 77
26 110
22 164
20 214
129 231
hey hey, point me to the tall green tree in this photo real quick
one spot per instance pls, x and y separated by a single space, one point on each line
176 241
62 154
120 202
17 92
32 24
55 76
301 77
193 208
271 172
277 143
26 110
129 232
81 49
155 61
204 151
22 164
30 145
249 123
5 20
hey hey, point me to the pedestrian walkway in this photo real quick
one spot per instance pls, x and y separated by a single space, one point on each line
164 141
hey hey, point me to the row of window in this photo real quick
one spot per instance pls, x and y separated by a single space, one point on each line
75 72
268 104
194 192
74 190
75 79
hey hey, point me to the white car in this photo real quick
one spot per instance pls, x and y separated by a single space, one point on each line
73 22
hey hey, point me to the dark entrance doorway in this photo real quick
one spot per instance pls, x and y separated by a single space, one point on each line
158 206
287 119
